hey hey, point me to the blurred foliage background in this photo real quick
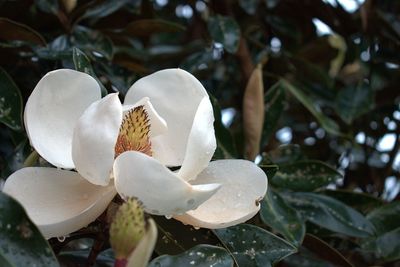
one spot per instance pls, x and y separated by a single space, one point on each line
330 71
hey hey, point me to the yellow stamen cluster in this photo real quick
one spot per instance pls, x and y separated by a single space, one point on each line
134 132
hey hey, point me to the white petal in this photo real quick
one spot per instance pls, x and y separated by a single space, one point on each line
243 186
141 255
158 124
95 136
160 190
52 110
175 94
59 202
201 144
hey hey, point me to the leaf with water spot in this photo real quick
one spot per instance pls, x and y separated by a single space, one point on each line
10 102
385 246
331 214
201 255
327 123
305 175
386 218
226 31
82 63
274 100
254 246
21 243
277 214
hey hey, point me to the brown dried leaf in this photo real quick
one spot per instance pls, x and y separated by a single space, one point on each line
253 113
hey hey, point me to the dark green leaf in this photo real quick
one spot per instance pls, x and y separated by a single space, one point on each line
250 6
93 42
286 154
201 255
224 138
10 102
269 169
226 31
385 246
352 102
198 61
305 175
21 243
145 27
80 257
82 63
274 104
360 201
175 238
11 30
386 218
331 214
277 214
325 251
59 48
254 246
104 9
327 123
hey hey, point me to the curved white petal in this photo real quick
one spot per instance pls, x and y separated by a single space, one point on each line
243 186
201 143
59 202
175 94
141 255
159 189
158 124
52 110
95 136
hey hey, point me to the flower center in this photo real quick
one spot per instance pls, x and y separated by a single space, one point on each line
134 132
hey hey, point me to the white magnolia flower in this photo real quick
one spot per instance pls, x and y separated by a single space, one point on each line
166 120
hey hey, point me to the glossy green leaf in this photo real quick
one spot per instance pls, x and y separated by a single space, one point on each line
286 154
327 123
360 201
331 214
269 169
352 102
253 246
145 27
82 63
224 138
325 251
281 217
10 102
386 218
201 255
274 104
305 175
21 243
93 42
226 31
386 246
104 9
175 238
80 257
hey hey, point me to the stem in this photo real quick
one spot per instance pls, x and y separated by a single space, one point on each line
31 159
120 262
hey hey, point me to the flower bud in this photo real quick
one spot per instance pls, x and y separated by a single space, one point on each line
127 228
